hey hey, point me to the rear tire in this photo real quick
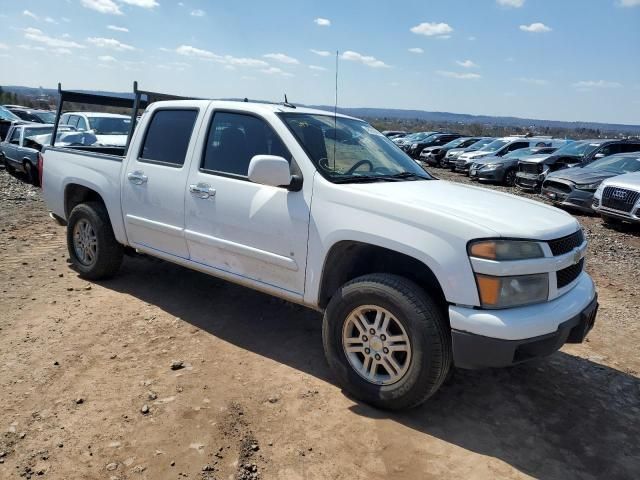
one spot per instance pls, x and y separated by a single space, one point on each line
416 337
31 173
93 248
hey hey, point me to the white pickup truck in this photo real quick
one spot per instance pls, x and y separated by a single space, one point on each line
414 275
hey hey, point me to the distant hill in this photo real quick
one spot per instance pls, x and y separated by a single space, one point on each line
391 113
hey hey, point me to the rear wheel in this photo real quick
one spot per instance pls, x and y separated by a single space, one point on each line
387 341
31 173
510 177
92 246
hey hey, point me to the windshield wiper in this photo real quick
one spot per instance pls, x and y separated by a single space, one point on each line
380 178
408 175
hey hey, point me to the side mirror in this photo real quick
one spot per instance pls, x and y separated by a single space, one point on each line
270 170
598 156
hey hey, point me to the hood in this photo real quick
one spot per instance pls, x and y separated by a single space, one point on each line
431 149
628 180
498 214
582 175
489 159
540 158
474 154
456 151
112 140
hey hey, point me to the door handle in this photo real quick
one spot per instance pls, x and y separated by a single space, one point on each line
137 178
202 190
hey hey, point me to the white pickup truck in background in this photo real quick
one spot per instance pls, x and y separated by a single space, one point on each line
414 274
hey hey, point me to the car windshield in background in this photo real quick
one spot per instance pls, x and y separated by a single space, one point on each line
523 152
494 146
578 149
455 143
480 144
625 164
7 115
345 149
33 131
45 117
109 125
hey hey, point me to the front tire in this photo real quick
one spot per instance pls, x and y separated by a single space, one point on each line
387 341
93 248
31 173
510 178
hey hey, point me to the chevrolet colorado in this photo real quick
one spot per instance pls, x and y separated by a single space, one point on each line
414 274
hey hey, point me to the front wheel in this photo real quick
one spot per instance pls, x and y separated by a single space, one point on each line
31 173
92 246
387 341
510 178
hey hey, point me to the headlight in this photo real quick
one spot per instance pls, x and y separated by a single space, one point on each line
505 292
504 250
491 166
599 191
588 186
414 146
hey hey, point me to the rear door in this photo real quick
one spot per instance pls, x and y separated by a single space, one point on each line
13 142
250 233
155 180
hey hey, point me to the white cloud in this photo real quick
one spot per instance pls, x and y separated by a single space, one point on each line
472 39
367 60
536 27
459 76
198 13
28 13
282 58
322 53
36 35
50 20
117 29
322 22
316 67
466 64
629 3
588 84
4 46
511 3
189 51
65 19
432 29
106 58
142 3
535 81
276 71
102 6
109 43
416 50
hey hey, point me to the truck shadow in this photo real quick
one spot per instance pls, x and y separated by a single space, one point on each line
563 417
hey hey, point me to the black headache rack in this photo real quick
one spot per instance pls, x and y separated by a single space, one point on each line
141 99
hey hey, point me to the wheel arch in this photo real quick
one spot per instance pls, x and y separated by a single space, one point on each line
348 259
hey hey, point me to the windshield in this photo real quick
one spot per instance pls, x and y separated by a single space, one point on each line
110 125
480 143
455 143
625 164
7 115
45 117
32 132
345 149
494 146
578 149
523 152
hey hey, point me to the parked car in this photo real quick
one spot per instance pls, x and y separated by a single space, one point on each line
504 169
437 139
574 187
533 171
394 133
413 274
449 160
19 152
7 120
434 155
110 129
405 142
498 148
617 199
35 116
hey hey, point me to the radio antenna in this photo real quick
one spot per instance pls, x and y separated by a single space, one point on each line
335 114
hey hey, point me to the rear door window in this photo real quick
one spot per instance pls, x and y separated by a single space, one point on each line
168 136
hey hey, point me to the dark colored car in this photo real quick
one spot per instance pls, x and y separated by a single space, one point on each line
405 142
435 140
394 133
35 116
531 173
503 169
450 158
7 120
574 187
435 155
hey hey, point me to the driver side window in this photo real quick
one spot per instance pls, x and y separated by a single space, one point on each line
234 139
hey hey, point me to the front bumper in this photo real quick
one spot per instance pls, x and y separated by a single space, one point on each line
493 175
579 199
498 338
529 181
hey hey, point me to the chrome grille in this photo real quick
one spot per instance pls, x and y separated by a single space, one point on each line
563 245
619 199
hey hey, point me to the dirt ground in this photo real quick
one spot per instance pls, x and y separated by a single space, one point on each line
234 384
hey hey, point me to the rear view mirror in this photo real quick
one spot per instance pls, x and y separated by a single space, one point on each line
270 170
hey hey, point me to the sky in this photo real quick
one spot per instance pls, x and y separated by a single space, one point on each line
575 60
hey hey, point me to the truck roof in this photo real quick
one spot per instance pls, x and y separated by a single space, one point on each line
97 114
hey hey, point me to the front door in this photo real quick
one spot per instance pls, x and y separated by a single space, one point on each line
253 234
154 182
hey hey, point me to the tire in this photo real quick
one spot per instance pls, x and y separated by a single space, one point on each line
509 178
424 367
31 173
107 255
